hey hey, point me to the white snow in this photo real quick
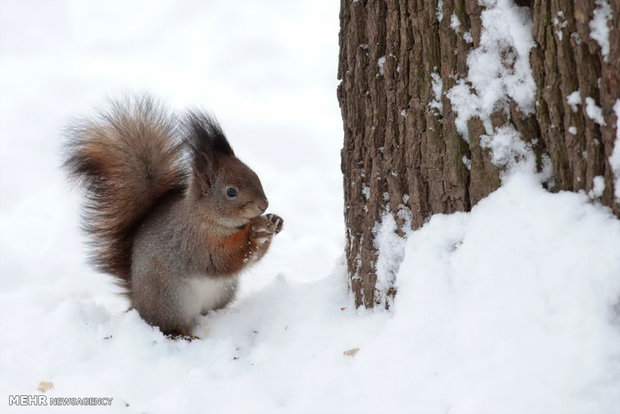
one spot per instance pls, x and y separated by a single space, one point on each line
498 69
598 186
522 288
455 23
366 191
599 27
572 130
391 254
508 150
467 105
560 23
507 309
381 64
467 162
594 111
439 11
614 158
573 99
437 86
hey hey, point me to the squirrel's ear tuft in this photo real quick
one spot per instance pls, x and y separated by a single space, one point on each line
205 140
205 136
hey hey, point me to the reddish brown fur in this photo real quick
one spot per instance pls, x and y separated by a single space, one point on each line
235 250
176 238
128 161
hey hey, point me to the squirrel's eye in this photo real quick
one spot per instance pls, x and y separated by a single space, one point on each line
231 192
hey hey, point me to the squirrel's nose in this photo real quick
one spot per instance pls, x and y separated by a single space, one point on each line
262 206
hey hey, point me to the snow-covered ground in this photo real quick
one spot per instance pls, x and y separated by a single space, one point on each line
507 309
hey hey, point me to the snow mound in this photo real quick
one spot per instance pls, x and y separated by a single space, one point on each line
507 309
511 308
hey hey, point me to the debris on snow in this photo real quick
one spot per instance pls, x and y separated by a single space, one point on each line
351 352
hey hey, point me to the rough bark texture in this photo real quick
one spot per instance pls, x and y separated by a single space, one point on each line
397 142
567 59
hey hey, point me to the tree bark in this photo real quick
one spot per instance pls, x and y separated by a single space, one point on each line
566 60
401 148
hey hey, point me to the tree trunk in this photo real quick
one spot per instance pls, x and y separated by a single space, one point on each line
402 150
566 60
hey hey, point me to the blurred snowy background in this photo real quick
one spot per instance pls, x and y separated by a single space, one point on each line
507 309
266 69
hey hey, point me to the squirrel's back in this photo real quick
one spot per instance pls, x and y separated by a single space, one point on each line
128 160
171 211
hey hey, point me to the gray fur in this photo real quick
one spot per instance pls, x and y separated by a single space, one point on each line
172 269
173 234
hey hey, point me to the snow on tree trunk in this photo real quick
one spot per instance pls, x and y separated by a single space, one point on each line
578 60
430 88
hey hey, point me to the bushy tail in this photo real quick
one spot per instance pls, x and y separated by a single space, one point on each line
128 160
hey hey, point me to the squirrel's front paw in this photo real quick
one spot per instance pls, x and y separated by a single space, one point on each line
277 222
264 227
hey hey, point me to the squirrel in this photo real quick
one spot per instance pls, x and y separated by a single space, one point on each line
175 236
